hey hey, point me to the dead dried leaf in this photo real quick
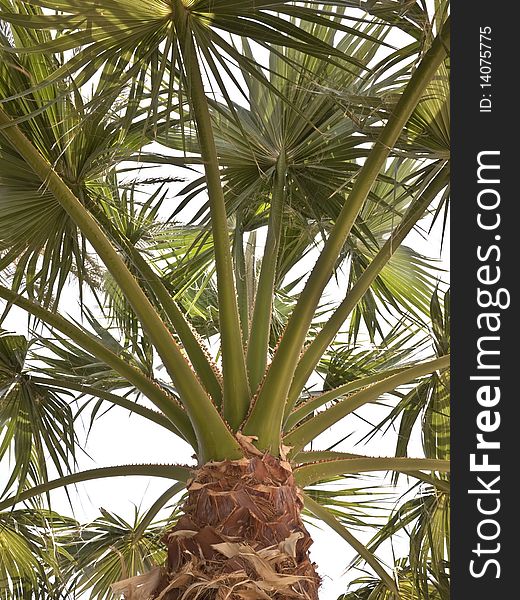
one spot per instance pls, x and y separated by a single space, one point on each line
284 451
182 533
252 592
246 442
266 573
228 549
140 587
288 546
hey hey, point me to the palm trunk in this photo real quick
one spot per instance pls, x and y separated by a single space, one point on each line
241 536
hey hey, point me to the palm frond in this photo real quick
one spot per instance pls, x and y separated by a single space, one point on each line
32 555
371 588
427 517
111 549
37 422
429 401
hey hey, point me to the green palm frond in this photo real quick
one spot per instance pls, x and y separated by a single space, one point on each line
406 282
20 568
355 506
429 401
135 49
425 519
319 147
63 358
88 380
37 422
110 549
32 556
37 236
427 133
349 362
371 588
407 270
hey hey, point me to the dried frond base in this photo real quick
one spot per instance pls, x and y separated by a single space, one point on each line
141 587
241 537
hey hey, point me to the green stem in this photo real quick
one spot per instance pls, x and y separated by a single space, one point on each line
323 514
130 405
167 471
312 456
200 360
240 276
236 387
214 439
321 455
311 473
164 401
258 347
265 420
302 435
152 512
315 351
199 357
309 406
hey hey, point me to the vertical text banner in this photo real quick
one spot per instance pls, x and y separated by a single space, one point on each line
485 235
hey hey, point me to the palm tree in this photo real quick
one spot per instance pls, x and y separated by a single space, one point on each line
297 120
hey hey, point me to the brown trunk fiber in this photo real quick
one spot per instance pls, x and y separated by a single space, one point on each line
241 536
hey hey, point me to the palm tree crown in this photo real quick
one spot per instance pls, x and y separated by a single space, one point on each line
228 187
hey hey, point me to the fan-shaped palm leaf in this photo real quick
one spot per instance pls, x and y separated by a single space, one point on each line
37 423
32 554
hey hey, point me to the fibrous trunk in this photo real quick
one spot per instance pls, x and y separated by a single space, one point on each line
241 537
